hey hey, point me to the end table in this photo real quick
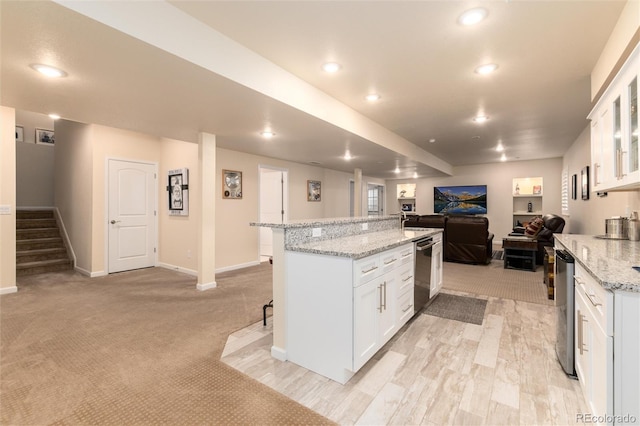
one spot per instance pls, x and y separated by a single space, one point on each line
520 253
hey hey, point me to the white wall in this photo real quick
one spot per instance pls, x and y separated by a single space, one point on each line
7 198
498 177
34 163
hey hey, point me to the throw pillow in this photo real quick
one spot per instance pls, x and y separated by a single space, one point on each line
534 227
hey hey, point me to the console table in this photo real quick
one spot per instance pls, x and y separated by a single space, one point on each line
520 253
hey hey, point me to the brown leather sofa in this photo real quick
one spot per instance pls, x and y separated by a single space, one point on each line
551 224
466 238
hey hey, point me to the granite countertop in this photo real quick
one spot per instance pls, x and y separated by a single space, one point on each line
608 261
363 245
307 223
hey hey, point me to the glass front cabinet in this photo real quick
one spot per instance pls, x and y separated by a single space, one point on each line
614 132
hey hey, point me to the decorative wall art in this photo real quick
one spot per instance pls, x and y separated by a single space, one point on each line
19 134
231 184
178 190
45 136
313 190
574 187
584 176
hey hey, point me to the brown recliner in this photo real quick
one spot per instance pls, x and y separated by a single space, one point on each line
551 224
468 239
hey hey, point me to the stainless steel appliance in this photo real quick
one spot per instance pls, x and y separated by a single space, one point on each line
423 272
616 228
565 306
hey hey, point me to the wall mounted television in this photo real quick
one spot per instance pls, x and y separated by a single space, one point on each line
470 199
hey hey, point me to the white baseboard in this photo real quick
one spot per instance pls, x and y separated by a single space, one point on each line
89 273
239 266
8 290
207 286
278 353
178 268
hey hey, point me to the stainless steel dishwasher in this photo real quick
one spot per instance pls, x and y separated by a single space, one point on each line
565 306
423 271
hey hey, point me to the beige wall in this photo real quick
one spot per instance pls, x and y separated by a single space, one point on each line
73 187
7 198
498 177
623 32
34 163
587 216
178 235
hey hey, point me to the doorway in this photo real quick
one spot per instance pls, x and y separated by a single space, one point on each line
375 200
274 184
131 220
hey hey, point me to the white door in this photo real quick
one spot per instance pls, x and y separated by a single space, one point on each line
273 183
131 220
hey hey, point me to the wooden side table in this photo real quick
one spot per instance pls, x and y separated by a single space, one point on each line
520 253
549 261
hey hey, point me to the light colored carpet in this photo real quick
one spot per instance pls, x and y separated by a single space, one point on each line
494 280
134 348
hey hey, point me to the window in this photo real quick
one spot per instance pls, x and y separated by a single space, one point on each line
565 192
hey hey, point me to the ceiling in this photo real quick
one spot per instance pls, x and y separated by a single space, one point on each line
413 53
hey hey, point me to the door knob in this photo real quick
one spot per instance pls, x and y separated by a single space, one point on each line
113 222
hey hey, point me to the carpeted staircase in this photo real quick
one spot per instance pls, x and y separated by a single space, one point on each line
39 245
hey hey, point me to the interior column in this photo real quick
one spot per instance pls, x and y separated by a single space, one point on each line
357 192
206 189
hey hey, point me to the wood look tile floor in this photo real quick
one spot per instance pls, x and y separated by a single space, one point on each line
435 371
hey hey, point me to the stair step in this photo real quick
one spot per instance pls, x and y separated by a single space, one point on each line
34 214
39 243
43 266
26 234
27 256
36 223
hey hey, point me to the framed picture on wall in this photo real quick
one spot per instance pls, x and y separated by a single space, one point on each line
574 187
45 136
19 134
584 176
313 190
178 188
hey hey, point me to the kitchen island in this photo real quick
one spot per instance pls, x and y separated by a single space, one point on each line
341 288
607 324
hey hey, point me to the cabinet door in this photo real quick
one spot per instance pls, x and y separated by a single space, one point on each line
605 172
583 369
629 156
387 317
366 310
600 347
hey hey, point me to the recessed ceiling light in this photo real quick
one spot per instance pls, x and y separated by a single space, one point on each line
267 134
347 156
373 97
473 16
396 171
331 67
54 116
415 175
480 119
503 157
486 69
432 140
49 71
500 147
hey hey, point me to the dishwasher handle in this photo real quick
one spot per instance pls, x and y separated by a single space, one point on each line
427 245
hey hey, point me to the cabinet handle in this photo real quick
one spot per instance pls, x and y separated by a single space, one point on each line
622 153
385 295
380 304
391 261
581 319
407 279
373 268
592 299
618 163
407 308
596 166
408 253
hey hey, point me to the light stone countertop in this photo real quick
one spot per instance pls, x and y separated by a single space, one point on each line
309 223
363 245
608 261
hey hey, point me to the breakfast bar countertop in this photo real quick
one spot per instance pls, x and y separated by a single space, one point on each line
610 262
363 245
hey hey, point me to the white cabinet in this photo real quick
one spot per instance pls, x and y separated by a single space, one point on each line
614 132
342 311
594 342
436 267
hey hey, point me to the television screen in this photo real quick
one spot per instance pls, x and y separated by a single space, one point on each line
470 199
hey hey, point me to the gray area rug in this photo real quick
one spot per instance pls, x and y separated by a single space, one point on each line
458 308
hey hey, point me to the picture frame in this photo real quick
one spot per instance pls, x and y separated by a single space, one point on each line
574 187
178 189
44 136
584 179
314 188
231 184
19 134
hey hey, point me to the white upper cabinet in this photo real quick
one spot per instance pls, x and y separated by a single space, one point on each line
614 132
